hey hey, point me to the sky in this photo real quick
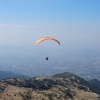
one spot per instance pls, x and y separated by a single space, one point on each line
75 23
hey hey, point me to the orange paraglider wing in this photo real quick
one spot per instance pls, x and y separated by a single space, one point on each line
46 38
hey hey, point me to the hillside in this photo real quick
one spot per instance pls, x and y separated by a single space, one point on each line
95 83
46 88
78 80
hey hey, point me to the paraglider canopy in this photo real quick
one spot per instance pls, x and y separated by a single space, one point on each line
46 38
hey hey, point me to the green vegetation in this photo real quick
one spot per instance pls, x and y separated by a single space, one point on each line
95 83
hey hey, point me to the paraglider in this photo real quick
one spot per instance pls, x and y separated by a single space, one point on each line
46 38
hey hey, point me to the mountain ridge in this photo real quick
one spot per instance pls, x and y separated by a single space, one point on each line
47 88
8 74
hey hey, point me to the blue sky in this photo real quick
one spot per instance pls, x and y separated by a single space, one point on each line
76 23
48 11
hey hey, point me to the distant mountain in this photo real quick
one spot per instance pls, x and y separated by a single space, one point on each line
6 74
95 83
63 86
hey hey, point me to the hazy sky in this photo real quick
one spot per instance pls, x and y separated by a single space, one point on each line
75 23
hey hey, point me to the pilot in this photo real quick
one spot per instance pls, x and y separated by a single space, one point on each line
47 58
